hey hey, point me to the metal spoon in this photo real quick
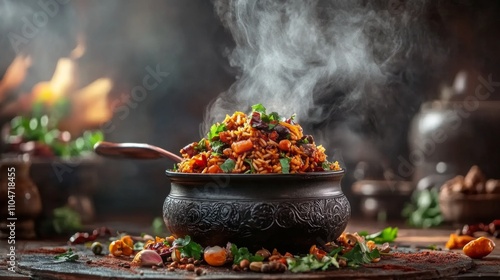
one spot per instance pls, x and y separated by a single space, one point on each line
134 151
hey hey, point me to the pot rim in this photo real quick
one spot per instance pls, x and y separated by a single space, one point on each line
305 175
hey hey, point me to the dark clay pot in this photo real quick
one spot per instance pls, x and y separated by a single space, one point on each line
289 212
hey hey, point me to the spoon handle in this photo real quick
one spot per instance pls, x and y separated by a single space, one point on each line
133 151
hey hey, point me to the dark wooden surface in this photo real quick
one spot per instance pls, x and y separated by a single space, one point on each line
32 265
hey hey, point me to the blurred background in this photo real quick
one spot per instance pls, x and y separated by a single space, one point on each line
147 71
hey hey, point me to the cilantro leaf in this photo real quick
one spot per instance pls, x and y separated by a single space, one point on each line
228 165
188 248
215 129
200 147
310 262
259 108
285 165
217 146
325 164
243 253
388 234
360 254
274 116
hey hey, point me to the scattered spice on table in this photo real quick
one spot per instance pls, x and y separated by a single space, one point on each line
392 267
428 257
114 263
48 251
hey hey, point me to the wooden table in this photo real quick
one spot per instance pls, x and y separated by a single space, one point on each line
488 267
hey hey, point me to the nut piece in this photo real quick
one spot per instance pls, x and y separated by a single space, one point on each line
263 253
256 266
457 184
266 268
492 186
474 179
244 263
351 239
200 271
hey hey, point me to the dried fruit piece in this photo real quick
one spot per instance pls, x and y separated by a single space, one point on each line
127 240
479 248
215 256
148 258
458 241
127 250
115 248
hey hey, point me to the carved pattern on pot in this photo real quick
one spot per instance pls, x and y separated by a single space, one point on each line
243 217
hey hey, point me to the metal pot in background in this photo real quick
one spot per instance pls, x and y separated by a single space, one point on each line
450 135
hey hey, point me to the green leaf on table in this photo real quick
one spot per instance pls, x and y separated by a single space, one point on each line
188 247
68 256
388 234
243 253
360 254
309 263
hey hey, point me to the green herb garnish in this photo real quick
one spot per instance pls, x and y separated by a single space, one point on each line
138 245
285 165
200 147
68 256
228 165
65 219
188 248
325 164
158 226
215 129
388 234
423 210
242 253
310 262
360 254
217 146
259 108
249 161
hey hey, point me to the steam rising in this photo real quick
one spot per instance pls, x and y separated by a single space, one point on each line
319 58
